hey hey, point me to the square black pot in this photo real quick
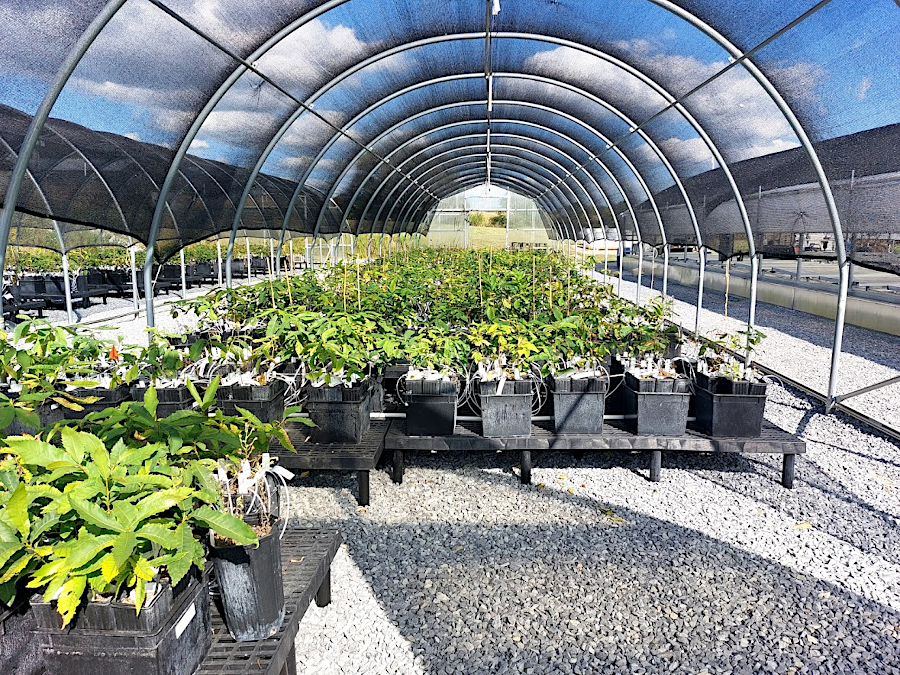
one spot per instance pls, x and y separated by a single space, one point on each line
171 640
341 414
657 414
730 415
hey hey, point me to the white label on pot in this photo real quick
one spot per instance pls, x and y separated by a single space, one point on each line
185 620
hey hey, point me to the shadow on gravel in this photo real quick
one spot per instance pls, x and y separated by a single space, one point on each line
605 590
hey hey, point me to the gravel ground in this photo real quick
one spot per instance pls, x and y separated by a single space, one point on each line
799 345
592 569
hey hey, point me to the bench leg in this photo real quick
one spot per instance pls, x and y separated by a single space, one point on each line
290 665
397 475
787 471
578 454
655 465
525 466
323 595
362 480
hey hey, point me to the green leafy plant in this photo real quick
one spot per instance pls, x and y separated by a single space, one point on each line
85 519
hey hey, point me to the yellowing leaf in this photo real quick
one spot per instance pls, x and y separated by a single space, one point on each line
802 526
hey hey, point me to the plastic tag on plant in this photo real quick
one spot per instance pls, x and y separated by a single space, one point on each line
500 384
281 471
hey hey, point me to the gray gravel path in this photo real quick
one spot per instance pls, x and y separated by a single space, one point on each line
799 345
592 569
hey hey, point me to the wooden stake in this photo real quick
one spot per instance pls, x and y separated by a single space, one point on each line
358 292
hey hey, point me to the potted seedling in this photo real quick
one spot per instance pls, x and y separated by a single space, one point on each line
250 580
107 535
579 388
657 397
163 369
503 377
430 389
339 352
19 652
730 395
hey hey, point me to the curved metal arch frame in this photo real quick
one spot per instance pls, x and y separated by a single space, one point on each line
348 125
528 183
560 202
473 146
472 122
415 202
640 76
618 185
88 37
527 186
440 80
529 151
462 185
400 198
417 138
541 144
529 104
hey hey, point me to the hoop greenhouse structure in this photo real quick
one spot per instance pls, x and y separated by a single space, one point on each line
669 123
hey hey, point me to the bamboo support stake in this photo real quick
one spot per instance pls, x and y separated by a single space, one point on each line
727 283
533 286
271 287
480 290
358 291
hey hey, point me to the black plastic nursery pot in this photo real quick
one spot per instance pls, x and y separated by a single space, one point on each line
20 653
731 415
507 414
109 398
578 404
169 399
341 414
265 401
615 400
251 586
48 413
431 407
170 636
660 406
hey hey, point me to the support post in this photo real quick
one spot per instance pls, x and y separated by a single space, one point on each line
799 270
702 253
839 320
272 256
219 259
637 290
65 270
249 260
655 465
183 277
751 319
621 264
135 294
665 282
291 253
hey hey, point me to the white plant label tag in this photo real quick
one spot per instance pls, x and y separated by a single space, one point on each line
185 620
281 471
500 384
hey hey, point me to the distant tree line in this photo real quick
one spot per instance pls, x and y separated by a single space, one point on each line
489 219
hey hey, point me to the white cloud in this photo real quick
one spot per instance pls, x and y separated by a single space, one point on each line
736 110
198 144
863 88
133 135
